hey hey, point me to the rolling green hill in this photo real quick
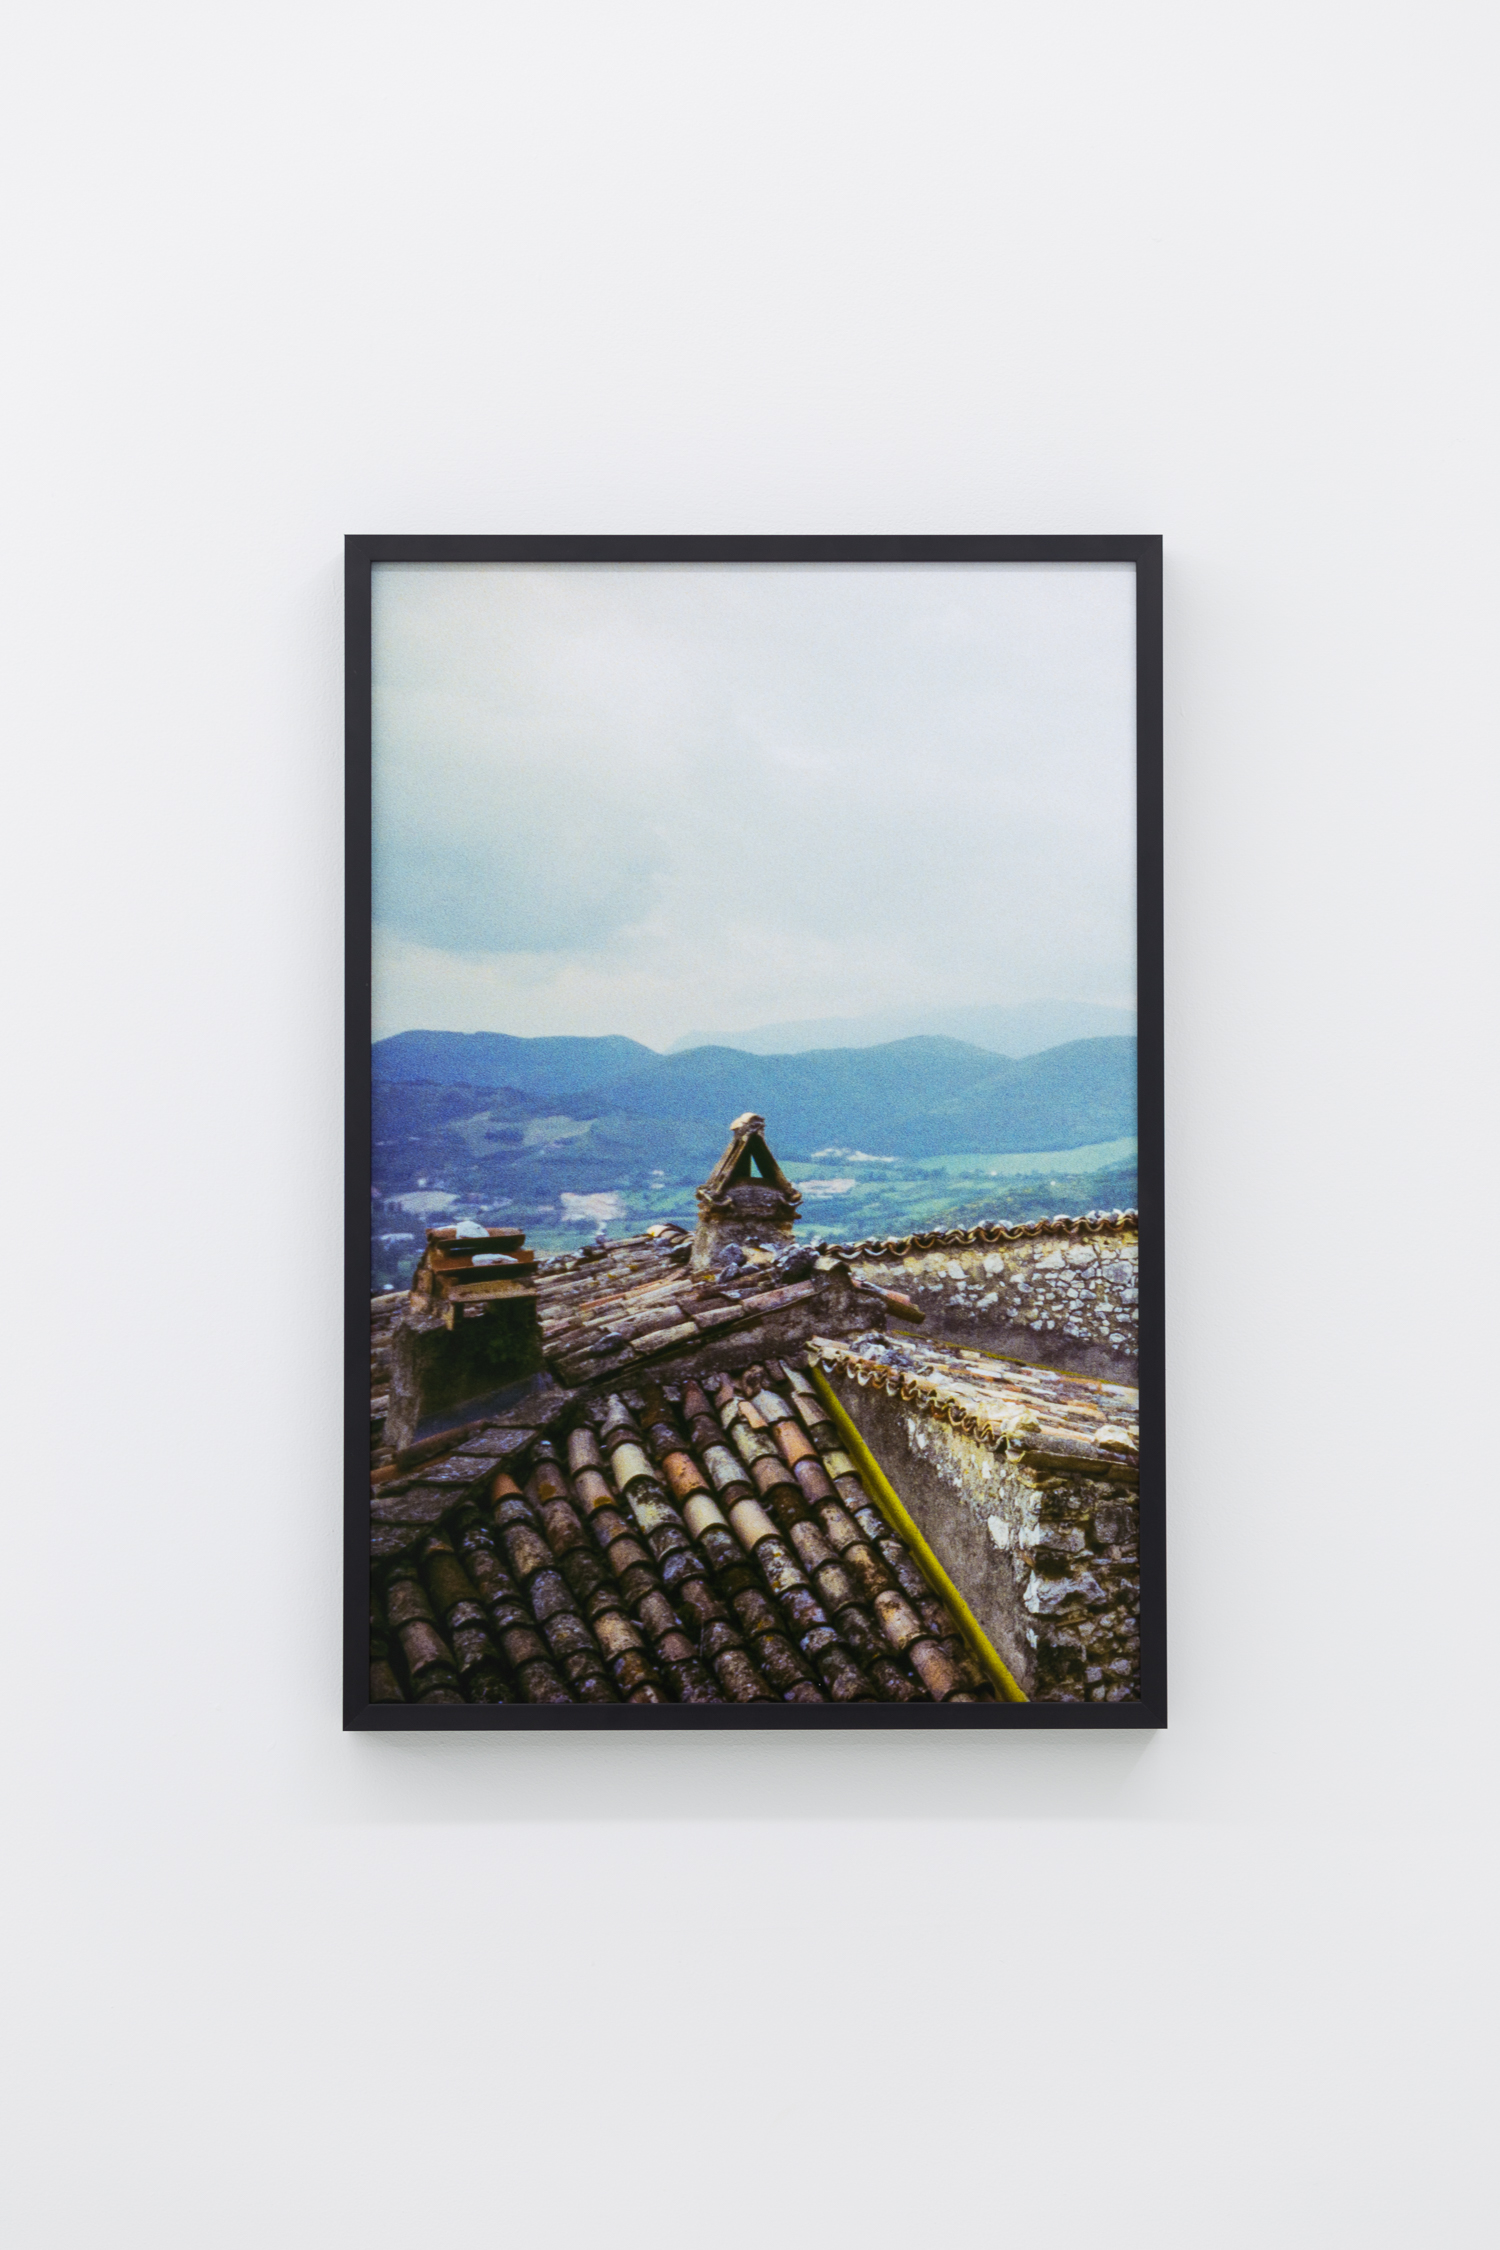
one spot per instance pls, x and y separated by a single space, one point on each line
608 1118
493 1058
914 1097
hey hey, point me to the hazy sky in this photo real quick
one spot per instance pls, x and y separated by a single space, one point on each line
654 800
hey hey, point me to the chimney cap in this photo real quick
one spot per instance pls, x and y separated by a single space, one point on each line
746 1156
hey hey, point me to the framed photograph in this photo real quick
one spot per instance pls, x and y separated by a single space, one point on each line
754 1133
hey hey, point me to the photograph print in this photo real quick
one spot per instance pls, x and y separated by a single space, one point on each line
754 1136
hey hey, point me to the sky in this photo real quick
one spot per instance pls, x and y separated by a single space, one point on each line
656 800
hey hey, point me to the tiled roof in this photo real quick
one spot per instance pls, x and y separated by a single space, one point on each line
612 1313
607 1314
629 1532
692 1543
1035 1416
966 1238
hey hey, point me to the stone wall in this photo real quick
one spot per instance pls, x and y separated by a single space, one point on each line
1061 1294
1048 1563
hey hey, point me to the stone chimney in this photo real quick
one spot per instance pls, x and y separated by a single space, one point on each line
747 1198
469 1340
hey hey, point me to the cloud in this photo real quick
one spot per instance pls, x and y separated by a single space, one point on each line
636 799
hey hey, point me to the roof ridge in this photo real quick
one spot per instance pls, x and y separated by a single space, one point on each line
1023 1437
997 1230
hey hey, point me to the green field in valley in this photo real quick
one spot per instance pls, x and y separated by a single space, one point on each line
560 1199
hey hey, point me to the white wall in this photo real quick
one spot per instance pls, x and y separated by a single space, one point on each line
287 271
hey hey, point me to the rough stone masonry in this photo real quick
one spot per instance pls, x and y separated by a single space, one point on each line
1061 1292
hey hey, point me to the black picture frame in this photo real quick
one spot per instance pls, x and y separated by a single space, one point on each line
362 553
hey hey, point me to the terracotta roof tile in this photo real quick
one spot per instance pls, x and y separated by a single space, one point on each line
966 1238
696 1543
